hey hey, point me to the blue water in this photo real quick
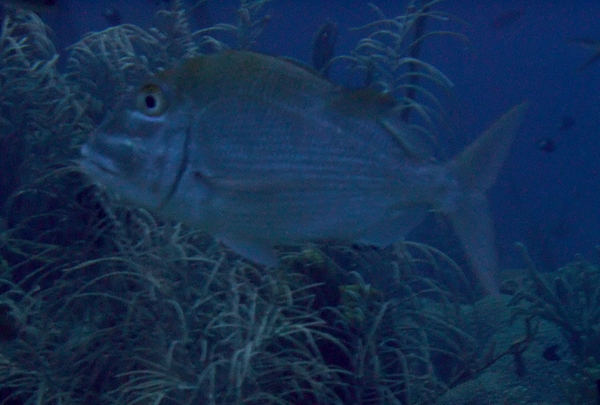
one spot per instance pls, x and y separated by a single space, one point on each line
546 200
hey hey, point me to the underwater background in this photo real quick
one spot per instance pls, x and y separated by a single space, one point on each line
103 303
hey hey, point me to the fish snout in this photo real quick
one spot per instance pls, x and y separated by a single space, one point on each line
110 153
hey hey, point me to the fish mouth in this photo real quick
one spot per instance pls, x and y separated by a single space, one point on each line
95 162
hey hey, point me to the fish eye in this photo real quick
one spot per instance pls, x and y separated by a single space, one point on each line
151 100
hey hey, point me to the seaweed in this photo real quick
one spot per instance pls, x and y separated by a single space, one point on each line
126 54
405 337
42 121
389 59
248 27
162 313
582 388
569 298
159 313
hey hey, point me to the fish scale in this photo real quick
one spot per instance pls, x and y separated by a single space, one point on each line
324 149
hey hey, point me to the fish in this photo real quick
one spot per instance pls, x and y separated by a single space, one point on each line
112 16
567 122
261 152
323 48
508 18
551 353
547 145
590 43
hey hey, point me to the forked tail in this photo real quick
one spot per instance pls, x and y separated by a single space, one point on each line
474 171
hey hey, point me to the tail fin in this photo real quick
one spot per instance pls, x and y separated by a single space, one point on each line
475 170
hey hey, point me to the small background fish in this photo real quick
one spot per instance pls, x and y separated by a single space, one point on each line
324 46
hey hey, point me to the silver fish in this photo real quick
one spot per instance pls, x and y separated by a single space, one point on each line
259 152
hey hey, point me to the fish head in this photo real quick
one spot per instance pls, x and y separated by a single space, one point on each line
138 152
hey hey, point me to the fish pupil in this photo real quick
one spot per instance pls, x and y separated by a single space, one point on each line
150 102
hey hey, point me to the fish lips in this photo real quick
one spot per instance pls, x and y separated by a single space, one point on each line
100 146
102 170
96 164
136 157
110 161
113 149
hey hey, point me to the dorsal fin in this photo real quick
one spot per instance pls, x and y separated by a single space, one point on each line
235 73
300 64
368 103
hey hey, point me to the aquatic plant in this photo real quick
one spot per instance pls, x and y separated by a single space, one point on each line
115 57
160 320
172 29
156 312
404 335
249 26
41 119
569 298
125 54
582 387
389 58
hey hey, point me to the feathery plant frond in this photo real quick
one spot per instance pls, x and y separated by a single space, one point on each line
121 56
394 45
160 314
41 119
389 57
172 29
117 57
249 26
568 297
405 343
